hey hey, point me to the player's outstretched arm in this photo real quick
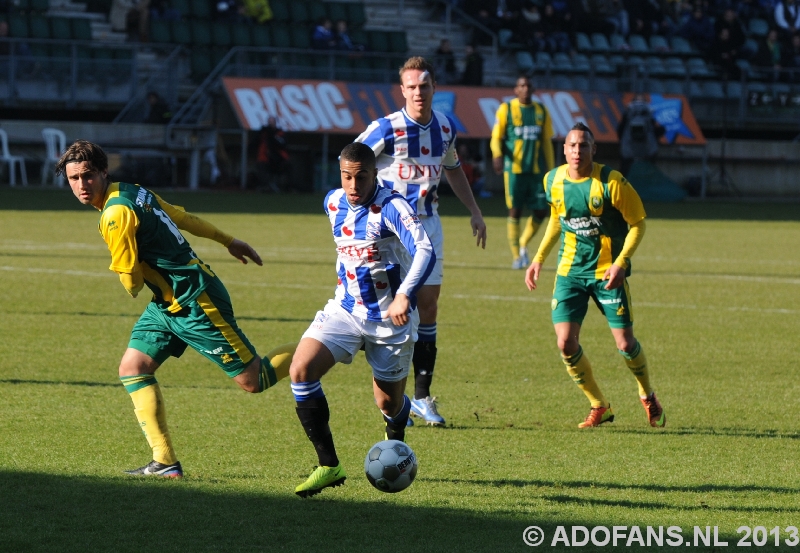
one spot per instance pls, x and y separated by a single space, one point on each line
242 251
460 185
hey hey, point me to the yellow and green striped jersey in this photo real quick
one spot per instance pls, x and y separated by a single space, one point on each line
142 233
595 214
523 134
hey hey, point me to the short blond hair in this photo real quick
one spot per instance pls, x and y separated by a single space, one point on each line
417 63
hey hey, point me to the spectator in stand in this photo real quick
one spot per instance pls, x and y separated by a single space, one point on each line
750 9
638 133
530 30
272 157
647 18
473 67
770 54
724 53
787 17
159 113
485 13
792 58
130 17
343 40
257 10
736 35
444 61
323 37
5 49
558 26
616 14
699 30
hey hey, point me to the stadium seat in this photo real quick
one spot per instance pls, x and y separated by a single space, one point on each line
201 32
39 26
397 42
757 27
654 86
183 7
617 42
673 67
604 85
60 28
160 31
734 90
281 38
616 61
378 41
55 142
671 86
298 13
680 45
562 63
600 65
81 28
201 9
562 82
697 67
181 32
336 11
695 89
713 89
581 64
654 66
504 38
12 161
356 15
581 83
260 35
200 62
600 42
747 70
525 62
221 34
637 44
39 6
316 11
359 36
543 61
300 38
280 11
583 43
240 35
659 44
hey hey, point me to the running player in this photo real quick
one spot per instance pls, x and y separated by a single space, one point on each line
190 305
600 220
522 151
413 146
384 256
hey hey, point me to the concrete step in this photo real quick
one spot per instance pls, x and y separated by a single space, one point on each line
101 30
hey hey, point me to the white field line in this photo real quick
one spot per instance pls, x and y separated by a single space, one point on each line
264 251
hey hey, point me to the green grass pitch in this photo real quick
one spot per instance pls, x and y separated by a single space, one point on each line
716 290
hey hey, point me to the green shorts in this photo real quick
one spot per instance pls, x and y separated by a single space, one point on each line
207 325
571 301
524 190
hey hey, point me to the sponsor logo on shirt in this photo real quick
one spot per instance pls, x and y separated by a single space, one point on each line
410 221
226 358
112 225
374 229
354 253
596 202
409 172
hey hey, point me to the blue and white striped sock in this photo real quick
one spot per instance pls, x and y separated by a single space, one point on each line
307 390
427 333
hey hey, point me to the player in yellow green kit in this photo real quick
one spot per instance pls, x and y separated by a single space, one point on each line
190 305
522 150
600 220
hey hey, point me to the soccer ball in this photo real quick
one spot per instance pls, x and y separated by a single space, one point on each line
391 466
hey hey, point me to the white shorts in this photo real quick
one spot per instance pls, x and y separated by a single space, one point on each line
433 226
388 348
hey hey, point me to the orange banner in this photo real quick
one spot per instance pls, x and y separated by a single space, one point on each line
347 108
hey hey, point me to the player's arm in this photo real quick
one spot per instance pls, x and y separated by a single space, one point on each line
402 220
118 226
629 204
498 132
200 227
376 135
461 188
549 240
547 141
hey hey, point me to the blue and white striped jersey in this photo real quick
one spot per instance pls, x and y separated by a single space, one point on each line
382 249
410 156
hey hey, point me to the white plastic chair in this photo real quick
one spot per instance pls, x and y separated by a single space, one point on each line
55 142
6 157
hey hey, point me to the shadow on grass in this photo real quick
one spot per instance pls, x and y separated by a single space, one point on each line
578 484
652 505
236 201
41 512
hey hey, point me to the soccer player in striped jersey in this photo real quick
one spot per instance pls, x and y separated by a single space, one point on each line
522 151
413 147
190 305
600 220
384 256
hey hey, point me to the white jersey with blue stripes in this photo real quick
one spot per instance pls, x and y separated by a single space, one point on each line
383 250
410 156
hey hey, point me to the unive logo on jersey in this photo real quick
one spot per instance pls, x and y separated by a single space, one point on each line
583 226
419 172
355 254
